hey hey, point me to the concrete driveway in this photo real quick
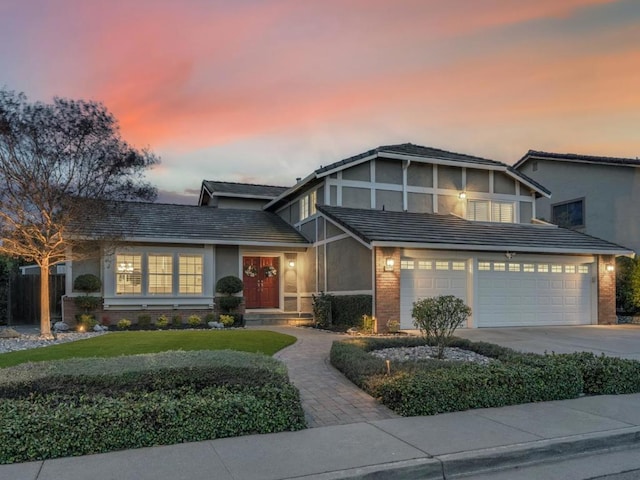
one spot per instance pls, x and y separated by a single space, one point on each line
612 340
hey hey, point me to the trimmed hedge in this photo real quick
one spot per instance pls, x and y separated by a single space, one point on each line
347 310
141 400
427 387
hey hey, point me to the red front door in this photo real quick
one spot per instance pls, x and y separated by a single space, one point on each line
261 277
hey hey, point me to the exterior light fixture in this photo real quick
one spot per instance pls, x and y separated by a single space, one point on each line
388 264
462 195
610 268
292 263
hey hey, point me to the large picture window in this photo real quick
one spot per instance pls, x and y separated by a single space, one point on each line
190 275
159 274
569 214
129 274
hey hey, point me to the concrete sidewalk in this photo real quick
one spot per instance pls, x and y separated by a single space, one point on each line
435 447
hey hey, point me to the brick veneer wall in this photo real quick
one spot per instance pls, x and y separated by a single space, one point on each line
387 288
112 316
606 291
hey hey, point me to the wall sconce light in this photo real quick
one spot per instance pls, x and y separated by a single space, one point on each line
462 195
292 263
388 264
610 268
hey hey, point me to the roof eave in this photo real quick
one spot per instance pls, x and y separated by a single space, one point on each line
499 248
291 190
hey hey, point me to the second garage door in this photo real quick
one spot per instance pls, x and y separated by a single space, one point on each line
533 293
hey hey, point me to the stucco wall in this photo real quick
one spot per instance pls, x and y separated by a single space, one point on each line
348 266
227 261
612 196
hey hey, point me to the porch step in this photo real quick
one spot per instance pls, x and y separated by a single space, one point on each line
278 319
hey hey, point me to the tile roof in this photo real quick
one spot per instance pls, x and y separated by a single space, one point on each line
573 157
185 223
429 152
244 189
451 232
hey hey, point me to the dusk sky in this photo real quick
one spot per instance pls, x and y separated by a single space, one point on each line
267 91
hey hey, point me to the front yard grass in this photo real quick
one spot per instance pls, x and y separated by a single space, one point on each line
132 343
429 387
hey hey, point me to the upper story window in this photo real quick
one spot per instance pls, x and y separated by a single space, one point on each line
568 214
490 211
308 205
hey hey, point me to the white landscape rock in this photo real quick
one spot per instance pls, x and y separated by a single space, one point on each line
60 327
215 325
100 328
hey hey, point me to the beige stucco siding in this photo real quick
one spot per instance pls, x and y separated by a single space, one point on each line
348 266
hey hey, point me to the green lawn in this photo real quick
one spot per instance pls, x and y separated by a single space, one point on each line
131 343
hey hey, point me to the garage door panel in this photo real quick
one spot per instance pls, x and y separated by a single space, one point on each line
418 283
518 298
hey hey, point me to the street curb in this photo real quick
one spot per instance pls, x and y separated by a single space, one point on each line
461 464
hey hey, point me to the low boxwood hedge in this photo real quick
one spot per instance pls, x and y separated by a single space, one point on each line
89 406
428 387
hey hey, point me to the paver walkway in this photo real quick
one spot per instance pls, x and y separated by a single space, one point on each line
328 398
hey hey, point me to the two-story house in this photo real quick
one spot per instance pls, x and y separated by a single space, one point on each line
598 196
398 222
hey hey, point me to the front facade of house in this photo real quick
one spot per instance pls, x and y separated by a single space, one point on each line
398 223
593 195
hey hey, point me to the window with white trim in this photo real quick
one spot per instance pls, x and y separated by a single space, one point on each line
484 266
556 268
308 205
160 274
569 269
490 211
190 274
543 268
129 274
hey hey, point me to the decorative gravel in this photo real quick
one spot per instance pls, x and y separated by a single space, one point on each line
405 354
28 340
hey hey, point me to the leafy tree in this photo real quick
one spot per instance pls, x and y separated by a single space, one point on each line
61 165
438 317
628 284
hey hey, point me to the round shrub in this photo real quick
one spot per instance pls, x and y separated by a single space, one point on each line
194 321
229 285
124 324
87 283
228 303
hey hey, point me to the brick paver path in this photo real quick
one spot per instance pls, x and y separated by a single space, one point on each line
328 398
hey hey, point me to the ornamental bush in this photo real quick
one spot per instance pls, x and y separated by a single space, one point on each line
123 324
429 386
229 285
142 400
87 283
438 317
162 321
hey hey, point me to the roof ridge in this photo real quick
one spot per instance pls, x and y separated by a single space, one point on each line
245 183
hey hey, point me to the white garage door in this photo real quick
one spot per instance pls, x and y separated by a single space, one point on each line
532 293
428 278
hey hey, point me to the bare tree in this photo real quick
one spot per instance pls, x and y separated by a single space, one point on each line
59 163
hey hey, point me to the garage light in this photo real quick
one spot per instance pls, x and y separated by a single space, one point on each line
388 264
610 267
462 195
292 263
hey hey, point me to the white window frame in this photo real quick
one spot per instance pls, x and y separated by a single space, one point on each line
490 211
129 267
308 205
197 277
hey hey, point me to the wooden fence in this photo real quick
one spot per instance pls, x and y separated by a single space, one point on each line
25 298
